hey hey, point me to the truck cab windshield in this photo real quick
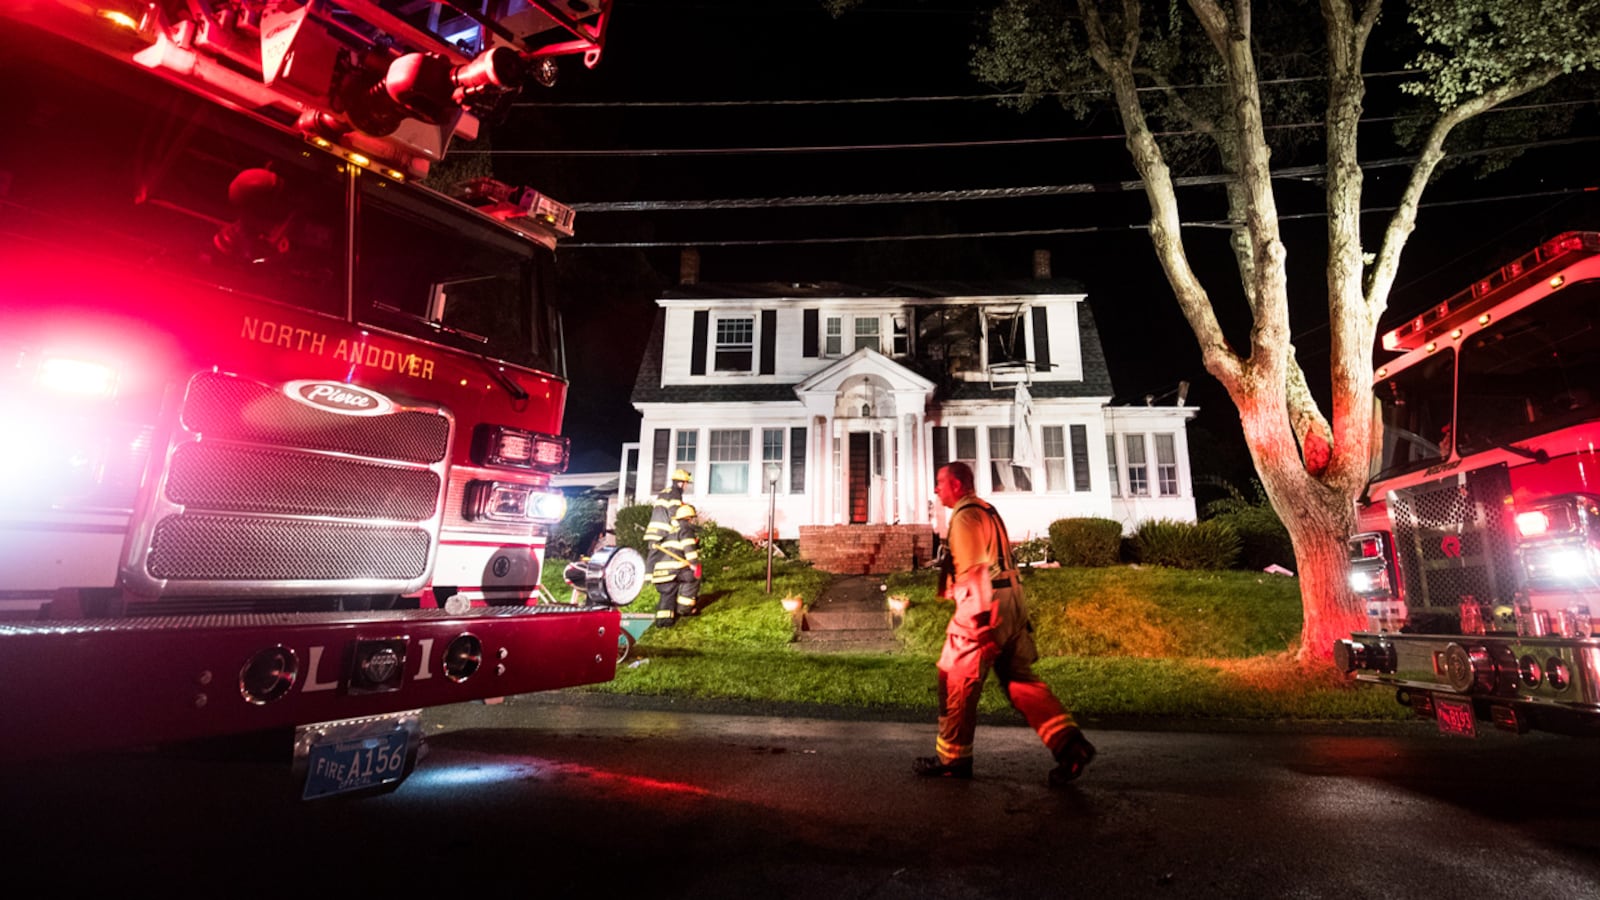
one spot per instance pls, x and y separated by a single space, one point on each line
1414 416
1534 372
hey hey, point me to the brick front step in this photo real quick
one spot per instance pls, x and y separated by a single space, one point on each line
866 549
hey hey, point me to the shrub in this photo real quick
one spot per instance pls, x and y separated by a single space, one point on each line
724 545
1263 541
630 526
1187 545
1034 550
1086 542
577 531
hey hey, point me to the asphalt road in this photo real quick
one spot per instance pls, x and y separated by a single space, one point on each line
554 798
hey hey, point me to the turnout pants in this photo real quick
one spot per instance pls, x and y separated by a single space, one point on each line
678 594
964 666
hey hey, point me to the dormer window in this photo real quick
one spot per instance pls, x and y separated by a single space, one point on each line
735 349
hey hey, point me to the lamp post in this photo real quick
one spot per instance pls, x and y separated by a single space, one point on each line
773 471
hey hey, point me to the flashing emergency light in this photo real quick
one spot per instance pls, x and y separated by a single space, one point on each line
1567 247
501 445
75 376
1532 523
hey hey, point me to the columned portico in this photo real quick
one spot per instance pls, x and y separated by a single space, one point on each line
868 449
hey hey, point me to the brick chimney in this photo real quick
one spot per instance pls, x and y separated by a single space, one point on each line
1041 264
689 266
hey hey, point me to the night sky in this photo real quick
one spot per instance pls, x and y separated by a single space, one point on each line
666 51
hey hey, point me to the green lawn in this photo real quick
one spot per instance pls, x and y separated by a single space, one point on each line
1121 641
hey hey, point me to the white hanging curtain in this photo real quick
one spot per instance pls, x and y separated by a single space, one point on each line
1023 453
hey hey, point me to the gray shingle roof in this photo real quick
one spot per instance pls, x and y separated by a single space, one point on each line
647 387
808 290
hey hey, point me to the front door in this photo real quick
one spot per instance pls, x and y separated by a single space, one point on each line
860 476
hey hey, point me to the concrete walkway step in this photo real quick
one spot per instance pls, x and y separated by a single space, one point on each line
836 620
880 645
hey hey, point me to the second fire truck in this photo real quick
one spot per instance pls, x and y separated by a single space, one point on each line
1479 556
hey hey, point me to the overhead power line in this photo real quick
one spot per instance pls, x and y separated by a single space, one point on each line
932 98
1007 193
654 152
1027 232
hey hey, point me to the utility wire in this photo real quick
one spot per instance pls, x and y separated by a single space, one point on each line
1008 193
936 145
933 98
1033 232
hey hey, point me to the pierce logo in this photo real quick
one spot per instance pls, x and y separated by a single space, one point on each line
337 397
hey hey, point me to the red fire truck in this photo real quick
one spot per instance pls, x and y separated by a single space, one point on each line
1479 551
280 419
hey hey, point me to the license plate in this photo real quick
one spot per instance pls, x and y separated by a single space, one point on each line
357 755
1455 717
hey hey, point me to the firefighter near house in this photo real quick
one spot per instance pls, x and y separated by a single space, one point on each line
1479 552
282 420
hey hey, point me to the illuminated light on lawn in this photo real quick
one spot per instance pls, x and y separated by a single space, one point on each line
791 605
898 604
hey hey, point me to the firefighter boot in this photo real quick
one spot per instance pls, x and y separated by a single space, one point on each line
931 767
1073 757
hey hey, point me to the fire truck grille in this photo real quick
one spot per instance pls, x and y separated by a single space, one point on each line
221 477
1453 539
231 548
222 406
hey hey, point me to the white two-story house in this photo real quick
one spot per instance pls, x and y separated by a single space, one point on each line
834 404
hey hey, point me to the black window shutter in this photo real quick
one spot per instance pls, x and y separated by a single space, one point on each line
808 339
769 341
941 447
658 460
1080 457
1041 339
797 460
697 349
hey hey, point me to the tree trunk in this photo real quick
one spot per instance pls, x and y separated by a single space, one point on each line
1318 517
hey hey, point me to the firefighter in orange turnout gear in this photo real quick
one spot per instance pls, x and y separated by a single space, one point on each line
676 573
990 630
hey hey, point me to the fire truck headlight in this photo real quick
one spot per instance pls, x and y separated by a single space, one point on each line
1370 573
1562 564
501 501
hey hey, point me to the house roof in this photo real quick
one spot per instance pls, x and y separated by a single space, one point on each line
647 386
812 290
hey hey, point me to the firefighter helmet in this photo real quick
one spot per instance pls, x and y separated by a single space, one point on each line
681 475
684 511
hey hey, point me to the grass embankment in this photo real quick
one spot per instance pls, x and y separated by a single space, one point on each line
1122 641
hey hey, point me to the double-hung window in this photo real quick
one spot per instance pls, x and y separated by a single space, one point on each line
1004 473
730 461
833 336
867 333
1138 470
1166 465
684 454
1055 458
736 341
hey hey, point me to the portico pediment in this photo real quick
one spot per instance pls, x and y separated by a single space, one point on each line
864 362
